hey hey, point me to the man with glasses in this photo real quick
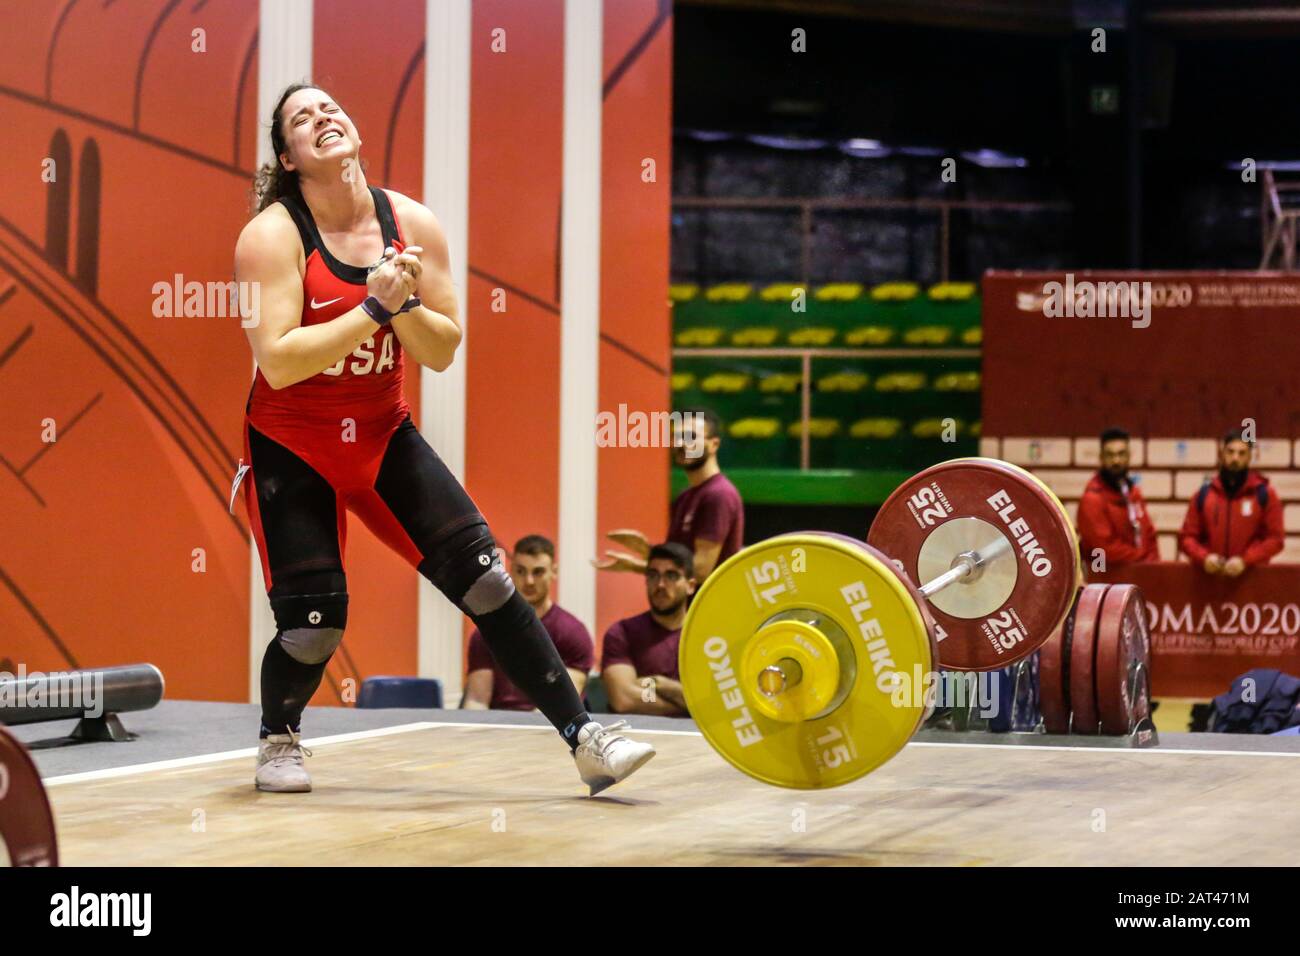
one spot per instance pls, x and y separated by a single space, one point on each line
639 658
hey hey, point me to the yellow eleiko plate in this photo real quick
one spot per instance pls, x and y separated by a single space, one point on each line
807 671
845 589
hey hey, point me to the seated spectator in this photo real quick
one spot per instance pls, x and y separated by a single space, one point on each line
708 517
639 659
532 568
1113 519
1235 521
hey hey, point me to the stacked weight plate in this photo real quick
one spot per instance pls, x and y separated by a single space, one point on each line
1094 670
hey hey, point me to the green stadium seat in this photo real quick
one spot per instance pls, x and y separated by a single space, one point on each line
817 428
843 381
900 382
928 335
780 382
700 337
895 292
729 292
878 428
728 382
812 336
839 292
951 292
755 336
958 382
754 428
869 336
783 292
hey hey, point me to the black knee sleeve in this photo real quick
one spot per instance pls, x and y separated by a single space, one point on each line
520 644
311 613
466 568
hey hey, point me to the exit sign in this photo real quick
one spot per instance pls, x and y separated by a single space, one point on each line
1104 99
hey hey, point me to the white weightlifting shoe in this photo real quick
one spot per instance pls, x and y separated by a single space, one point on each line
279 764
605 757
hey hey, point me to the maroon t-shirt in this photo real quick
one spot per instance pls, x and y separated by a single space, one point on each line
711 510
644 643
571 640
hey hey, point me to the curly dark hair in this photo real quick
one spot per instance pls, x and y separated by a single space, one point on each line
272 181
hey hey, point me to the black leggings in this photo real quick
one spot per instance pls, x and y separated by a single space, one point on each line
416 505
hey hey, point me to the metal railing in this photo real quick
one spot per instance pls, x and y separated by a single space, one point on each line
1279 208
806 356
807 207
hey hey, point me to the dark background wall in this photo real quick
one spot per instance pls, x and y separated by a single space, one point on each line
1157 183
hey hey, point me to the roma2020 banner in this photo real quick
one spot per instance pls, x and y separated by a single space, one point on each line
1206 630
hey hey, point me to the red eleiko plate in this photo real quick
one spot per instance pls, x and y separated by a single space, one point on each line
26 820
1123 658
1083 664
1019 598
1054 671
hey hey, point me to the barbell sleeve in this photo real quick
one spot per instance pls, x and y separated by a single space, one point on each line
964 565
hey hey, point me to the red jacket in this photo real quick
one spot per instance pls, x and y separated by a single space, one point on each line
1117 525
1234 527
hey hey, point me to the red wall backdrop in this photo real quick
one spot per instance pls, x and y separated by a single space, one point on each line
635 356
155 146
516 128
516 166
1220 348
154 150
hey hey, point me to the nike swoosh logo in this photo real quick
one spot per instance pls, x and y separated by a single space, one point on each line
321 305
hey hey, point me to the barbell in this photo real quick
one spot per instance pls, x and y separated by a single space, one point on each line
809 659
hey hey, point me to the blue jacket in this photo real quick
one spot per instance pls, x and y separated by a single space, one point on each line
1273 705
